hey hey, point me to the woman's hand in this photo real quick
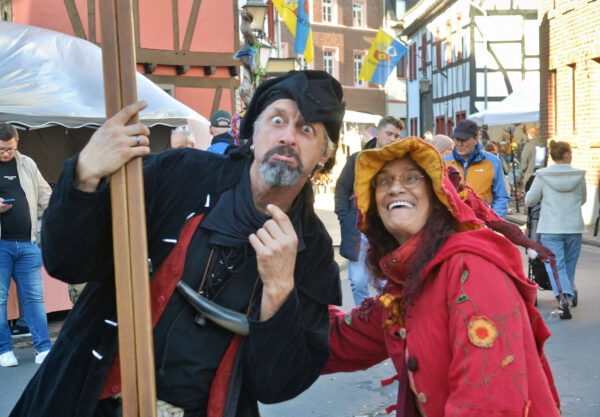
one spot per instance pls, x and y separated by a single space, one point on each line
275 245
111 147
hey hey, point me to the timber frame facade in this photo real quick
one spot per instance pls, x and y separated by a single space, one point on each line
185 46
463 57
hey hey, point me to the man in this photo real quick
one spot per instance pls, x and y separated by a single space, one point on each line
228 248
182 137
533 156
388 131
479 169
24 195
220 122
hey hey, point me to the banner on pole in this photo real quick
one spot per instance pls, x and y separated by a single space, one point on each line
384 54
295 14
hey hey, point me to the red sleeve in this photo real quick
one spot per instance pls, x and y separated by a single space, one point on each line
356 339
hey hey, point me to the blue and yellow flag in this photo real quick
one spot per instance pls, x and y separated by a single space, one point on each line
295 15
384 54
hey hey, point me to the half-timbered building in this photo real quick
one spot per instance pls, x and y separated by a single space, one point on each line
465 56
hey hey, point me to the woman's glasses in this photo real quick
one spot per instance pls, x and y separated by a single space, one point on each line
408 179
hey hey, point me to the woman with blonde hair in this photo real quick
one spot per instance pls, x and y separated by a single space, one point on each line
561 189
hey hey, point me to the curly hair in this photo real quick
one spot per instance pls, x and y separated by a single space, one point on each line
439 227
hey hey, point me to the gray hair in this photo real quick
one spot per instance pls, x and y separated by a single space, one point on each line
187 132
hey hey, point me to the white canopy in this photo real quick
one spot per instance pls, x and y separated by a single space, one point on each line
49 78
522 106
358 117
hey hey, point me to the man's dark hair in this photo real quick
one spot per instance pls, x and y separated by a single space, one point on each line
7 132
390 120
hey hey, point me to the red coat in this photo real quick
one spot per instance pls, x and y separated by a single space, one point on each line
472 341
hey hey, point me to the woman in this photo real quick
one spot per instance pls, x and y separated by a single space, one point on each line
561 189
456 315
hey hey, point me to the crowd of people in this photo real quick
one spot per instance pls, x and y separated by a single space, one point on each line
435 288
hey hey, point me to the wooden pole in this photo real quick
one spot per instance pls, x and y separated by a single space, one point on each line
129 221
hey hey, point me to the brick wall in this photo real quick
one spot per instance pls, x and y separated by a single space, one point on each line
570 82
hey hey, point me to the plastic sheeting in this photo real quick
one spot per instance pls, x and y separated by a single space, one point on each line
49 78
522 106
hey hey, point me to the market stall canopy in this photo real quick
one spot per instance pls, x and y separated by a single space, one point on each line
522 106
48 78
357 117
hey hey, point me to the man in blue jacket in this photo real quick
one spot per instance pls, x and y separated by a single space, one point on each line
479 169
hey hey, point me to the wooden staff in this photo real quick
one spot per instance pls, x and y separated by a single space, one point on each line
129 221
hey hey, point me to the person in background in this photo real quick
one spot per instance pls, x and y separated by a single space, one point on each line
442 143
478 168
533 156
182 137
427 135
353 244
562 191
220 122
24 196
457 315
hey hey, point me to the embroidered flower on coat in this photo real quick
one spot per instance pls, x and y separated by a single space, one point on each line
482 331
394 304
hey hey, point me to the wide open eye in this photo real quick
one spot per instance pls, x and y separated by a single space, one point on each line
308 129
277 120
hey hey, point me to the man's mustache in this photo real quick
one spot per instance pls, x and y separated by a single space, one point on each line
283 150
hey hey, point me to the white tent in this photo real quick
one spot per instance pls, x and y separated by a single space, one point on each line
48 78
352 116
522 106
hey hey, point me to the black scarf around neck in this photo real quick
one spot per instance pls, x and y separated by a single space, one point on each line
234 217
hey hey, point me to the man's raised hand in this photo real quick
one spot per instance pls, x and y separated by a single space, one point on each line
113 145
275 245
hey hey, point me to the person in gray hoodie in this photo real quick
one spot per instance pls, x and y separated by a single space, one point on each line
561 189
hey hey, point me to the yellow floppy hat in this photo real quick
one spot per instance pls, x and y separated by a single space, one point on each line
370 162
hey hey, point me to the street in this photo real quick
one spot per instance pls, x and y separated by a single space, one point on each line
572 352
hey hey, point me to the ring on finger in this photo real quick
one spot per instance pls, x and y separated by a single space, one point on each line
138 140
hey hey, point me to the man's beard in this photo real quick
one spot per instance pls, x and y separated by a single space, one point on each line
280 173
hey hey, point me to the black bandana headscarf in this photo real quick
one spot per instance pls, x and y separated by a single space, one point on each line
317 94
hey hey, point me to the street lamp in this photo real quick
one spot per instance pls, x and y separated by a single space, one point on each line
259 11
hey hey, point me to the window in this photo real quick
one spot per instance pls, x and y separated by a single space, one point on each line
327 11
413 62
460 115
357 14
5 10
358 61
424 54
440 125
449 126
438 49
328 61
401 68
414 126
573 99
552 128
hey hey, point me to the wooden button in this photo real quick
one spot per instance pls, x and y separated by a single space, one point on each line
412 364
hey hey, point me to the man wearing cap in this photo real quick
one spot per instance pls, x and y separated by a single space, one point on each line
221 225
479 169
220 122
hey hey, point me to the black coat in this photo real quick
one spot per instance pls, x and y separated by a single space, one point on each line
345 207
280 358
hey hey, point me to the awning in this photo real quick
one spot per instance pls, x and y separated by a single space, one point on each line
352 116
522 106
49 78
